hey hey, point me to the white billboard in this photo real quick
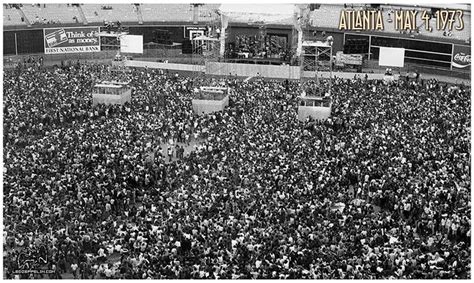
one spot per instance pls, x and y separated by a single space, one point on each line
131 44
391 57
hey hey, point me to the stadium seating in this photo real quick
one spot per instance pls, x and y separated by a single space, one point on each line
176 12
324 16
118 12
51 13
167 12
208 11
12 17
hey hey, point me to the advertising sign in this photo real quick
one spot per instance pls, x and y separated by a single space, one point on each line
71 40
461 56
131 44
348 59
193 32
392 57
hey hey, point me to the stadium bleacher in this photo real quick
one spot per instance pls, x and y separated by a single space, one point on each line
51 13
167 12
208 11
119 12
325 16
12 17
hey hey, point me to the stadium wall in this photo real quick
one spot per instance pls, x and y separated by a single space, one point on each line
31 42
27 42
166 66
176 32
418 51
252 70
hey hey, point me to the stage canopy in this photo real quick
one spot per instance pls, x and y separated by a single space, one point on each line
282 14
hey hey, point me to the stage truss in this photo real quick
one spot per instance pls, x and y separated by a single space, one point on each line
316 57
110 41
206 48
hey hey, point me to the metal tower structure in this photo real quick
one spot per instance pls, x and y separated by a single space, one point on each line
205 48
110 40
316 56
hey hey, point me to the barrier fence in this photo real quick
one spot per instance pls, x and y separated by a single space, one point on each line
248 70
154 58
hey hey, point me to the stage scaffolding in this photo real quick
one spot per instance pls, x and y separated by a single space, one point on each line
316 56
206 47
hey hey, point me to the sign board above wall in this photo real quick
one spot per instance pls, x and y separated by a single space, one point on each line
131 44
461 56
392 57
71 40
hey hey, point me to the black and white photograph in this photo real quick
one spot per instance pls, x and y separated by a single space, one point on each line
228 140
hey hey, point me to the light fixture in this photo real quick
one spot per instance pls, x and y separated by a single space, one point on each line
330 40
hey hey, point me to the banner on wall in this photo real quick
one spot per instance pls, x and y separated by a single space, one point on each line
392 57
71 40
461 56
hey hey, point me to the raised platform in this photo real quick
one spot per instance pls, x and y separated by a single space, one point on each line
204 106
210 99
318 108
111 93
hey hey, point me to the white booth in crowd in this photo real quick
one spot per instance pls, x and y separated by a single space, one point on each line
210 99
111 92
318 108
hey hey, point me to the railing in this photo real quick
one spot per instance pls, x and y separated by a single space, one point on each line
209 96
457 73
23 15
81 13
173 55
308 102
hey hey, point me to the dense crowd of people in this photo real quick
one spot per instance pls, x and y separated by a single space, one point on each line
379 190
